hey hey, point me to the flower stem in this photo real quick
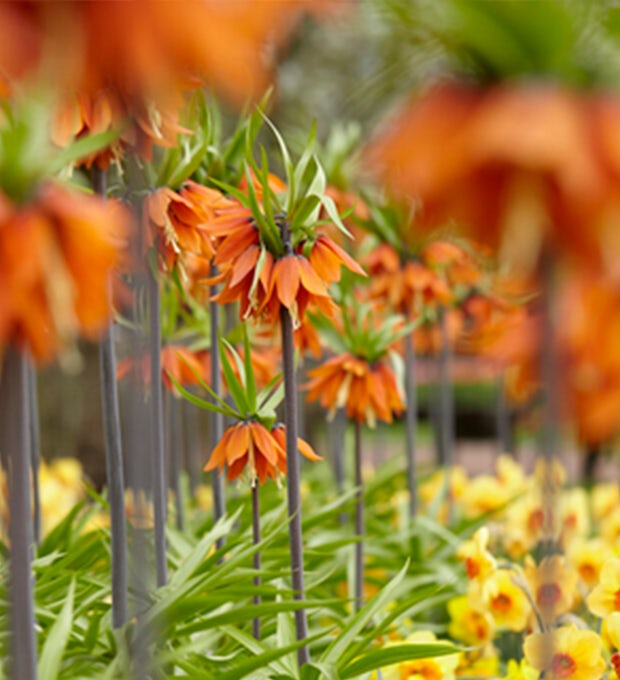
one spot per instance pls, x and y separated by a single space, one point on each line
157 430
359 518
113 455
257 556
292 467
15 444
446 410
174 452
35 448
217 419
336 432
411 417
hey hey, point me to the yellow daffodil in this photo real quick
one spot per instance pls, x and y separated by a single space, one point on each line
467 624
552 584
588 557
504 600
438 668
604 498
485 493
605 598
479 562
566 653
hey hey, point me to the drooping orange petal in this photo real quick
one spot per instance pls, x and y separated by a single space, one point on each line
307 451
287 278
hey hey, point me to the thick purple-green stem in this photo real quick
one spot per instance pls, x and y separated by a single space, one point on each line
35 448
174 449
16 446
157 431
411 421
359 518
550 411
217 419
446 393
113 454
292 473
257 556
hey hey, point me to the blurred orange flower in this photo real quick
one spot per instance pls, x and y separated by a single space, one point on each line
513 164
177 362
56 254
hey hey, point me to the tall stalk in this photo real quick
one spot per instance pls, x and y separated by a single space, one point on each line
157 430
359 518
257 557
336 434
446 410
293 478
175 447
217 419
35 448
113 454
446 415
411 419
550 418
16 445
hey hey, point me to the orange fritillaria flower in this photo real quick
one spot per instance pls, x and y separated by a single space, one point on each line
182 224
177 362
124 65
251 445
514 164
263 283
367 391
56 254
405 286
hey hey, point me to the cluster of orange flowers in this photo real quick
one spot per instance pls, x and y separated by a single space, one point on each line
56 253
123 66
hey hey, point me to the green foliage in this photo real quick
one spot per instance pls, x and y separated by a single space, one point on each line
198 625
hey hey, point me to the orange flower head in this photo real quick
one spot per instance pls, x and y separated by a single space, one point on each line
514 164
249 445
367 391
60 290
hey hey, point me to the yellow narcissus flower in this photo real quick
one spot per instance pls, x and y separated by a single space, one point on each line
566 653
588 557
574 514
467 624
504 600
479 562
437 668
525 523
60 488
605 598
553 473
431 489
511 475
485 493
552 584
610 630
479 664
605 498
521 671
610 526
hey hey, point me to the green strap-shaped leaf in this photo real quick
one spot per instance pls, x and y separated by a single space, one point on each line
57 638
396 654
